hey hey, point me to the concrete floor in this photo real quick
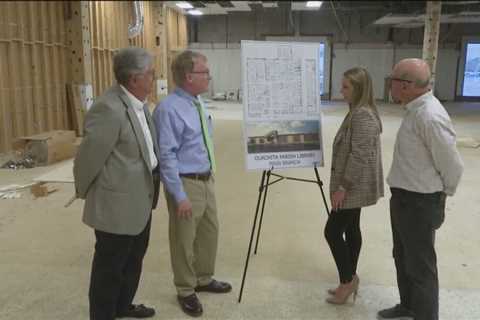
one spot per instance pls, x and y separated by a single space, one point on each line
46 251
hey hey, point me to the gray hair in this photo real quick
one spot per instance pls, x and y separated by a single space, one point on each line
130 61
422 83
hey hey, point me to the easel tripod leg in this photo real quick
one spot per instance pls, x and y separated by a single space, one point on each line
320 184
263 209
260 193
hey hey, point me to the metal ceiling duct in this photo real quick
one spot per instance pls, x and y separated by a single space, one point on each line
137 27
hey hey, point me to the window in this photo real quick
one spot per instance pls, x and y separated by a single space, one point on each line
471 74
321 62
468 73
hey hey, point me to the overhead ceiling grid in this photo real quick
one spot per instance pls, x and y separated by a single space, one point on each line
396 14
226 7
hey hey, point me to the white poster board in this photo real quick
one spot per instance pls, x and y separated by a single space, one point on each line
281 102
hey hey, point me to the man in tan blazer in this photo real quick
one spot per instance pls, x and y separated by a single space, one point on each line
115 172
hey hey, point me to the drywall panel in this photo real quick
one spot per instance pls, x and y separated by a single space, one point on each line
446 69
224 68
378 61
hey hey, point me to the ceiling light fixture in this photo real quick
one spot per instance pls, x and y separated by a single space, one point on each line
195 12
313 4
184 5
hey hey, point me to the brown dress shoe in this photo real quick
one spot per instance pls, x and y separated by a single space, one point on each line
215 287
191 305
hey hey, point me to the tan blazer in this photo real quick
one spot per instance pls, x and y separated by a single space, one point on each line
112 167
357 159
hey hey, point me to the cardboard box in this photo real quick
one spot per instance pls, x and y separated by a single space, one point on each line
48 147
41 189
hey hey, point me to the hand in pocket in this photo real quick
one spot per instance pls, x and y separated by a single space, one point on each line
440 213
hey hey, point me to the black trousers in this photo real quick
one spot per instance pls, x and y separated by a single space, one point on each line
346 250
116 269
415 217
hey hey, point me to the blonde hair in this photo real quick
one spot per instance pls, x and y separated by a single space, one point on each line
362 95
183 64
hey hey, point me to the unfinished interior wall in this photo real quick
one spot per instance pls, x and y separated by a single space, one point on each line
358 27
45 45
378 59
177 39
33 69
359 42
164 35
109 21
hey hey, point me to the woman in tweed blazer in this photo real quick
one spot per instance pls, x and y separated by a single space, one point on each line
356 179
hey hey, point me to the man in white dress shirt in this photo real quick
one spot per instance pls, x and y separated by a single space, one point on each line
426 168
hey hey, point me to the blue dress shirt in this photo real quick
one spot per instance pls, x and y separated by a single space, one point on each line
182 149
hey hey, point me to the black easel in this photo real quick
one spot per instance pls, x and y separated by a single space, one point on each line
263 191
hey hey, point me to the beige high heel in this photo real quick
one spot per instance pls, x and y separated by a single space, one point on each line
344 291
333 291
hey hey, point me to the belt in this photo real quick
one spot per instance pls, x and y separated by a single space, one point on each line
197 176
413 193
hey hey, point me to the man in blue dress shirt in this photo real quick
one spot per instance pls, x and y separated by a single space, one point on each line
187 164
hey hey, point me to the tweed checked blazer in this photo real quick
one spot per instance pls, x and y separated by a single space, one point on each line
112 167
357 159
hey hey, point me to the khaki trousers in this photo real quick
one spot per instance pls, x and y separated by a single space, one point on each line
193 242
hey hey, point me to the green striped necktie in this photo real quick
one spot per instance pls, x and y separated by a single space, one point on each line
206 136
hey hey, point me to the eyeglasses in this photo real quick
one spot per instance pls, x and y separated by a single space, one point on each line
201 72
205 73
399 79
150 72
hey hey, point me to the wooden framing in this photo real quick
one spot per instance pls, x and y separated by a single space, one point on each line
76 108
45 45
5 123
80 60
108 35
431 34
177 41
79 39
30 43
161 40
